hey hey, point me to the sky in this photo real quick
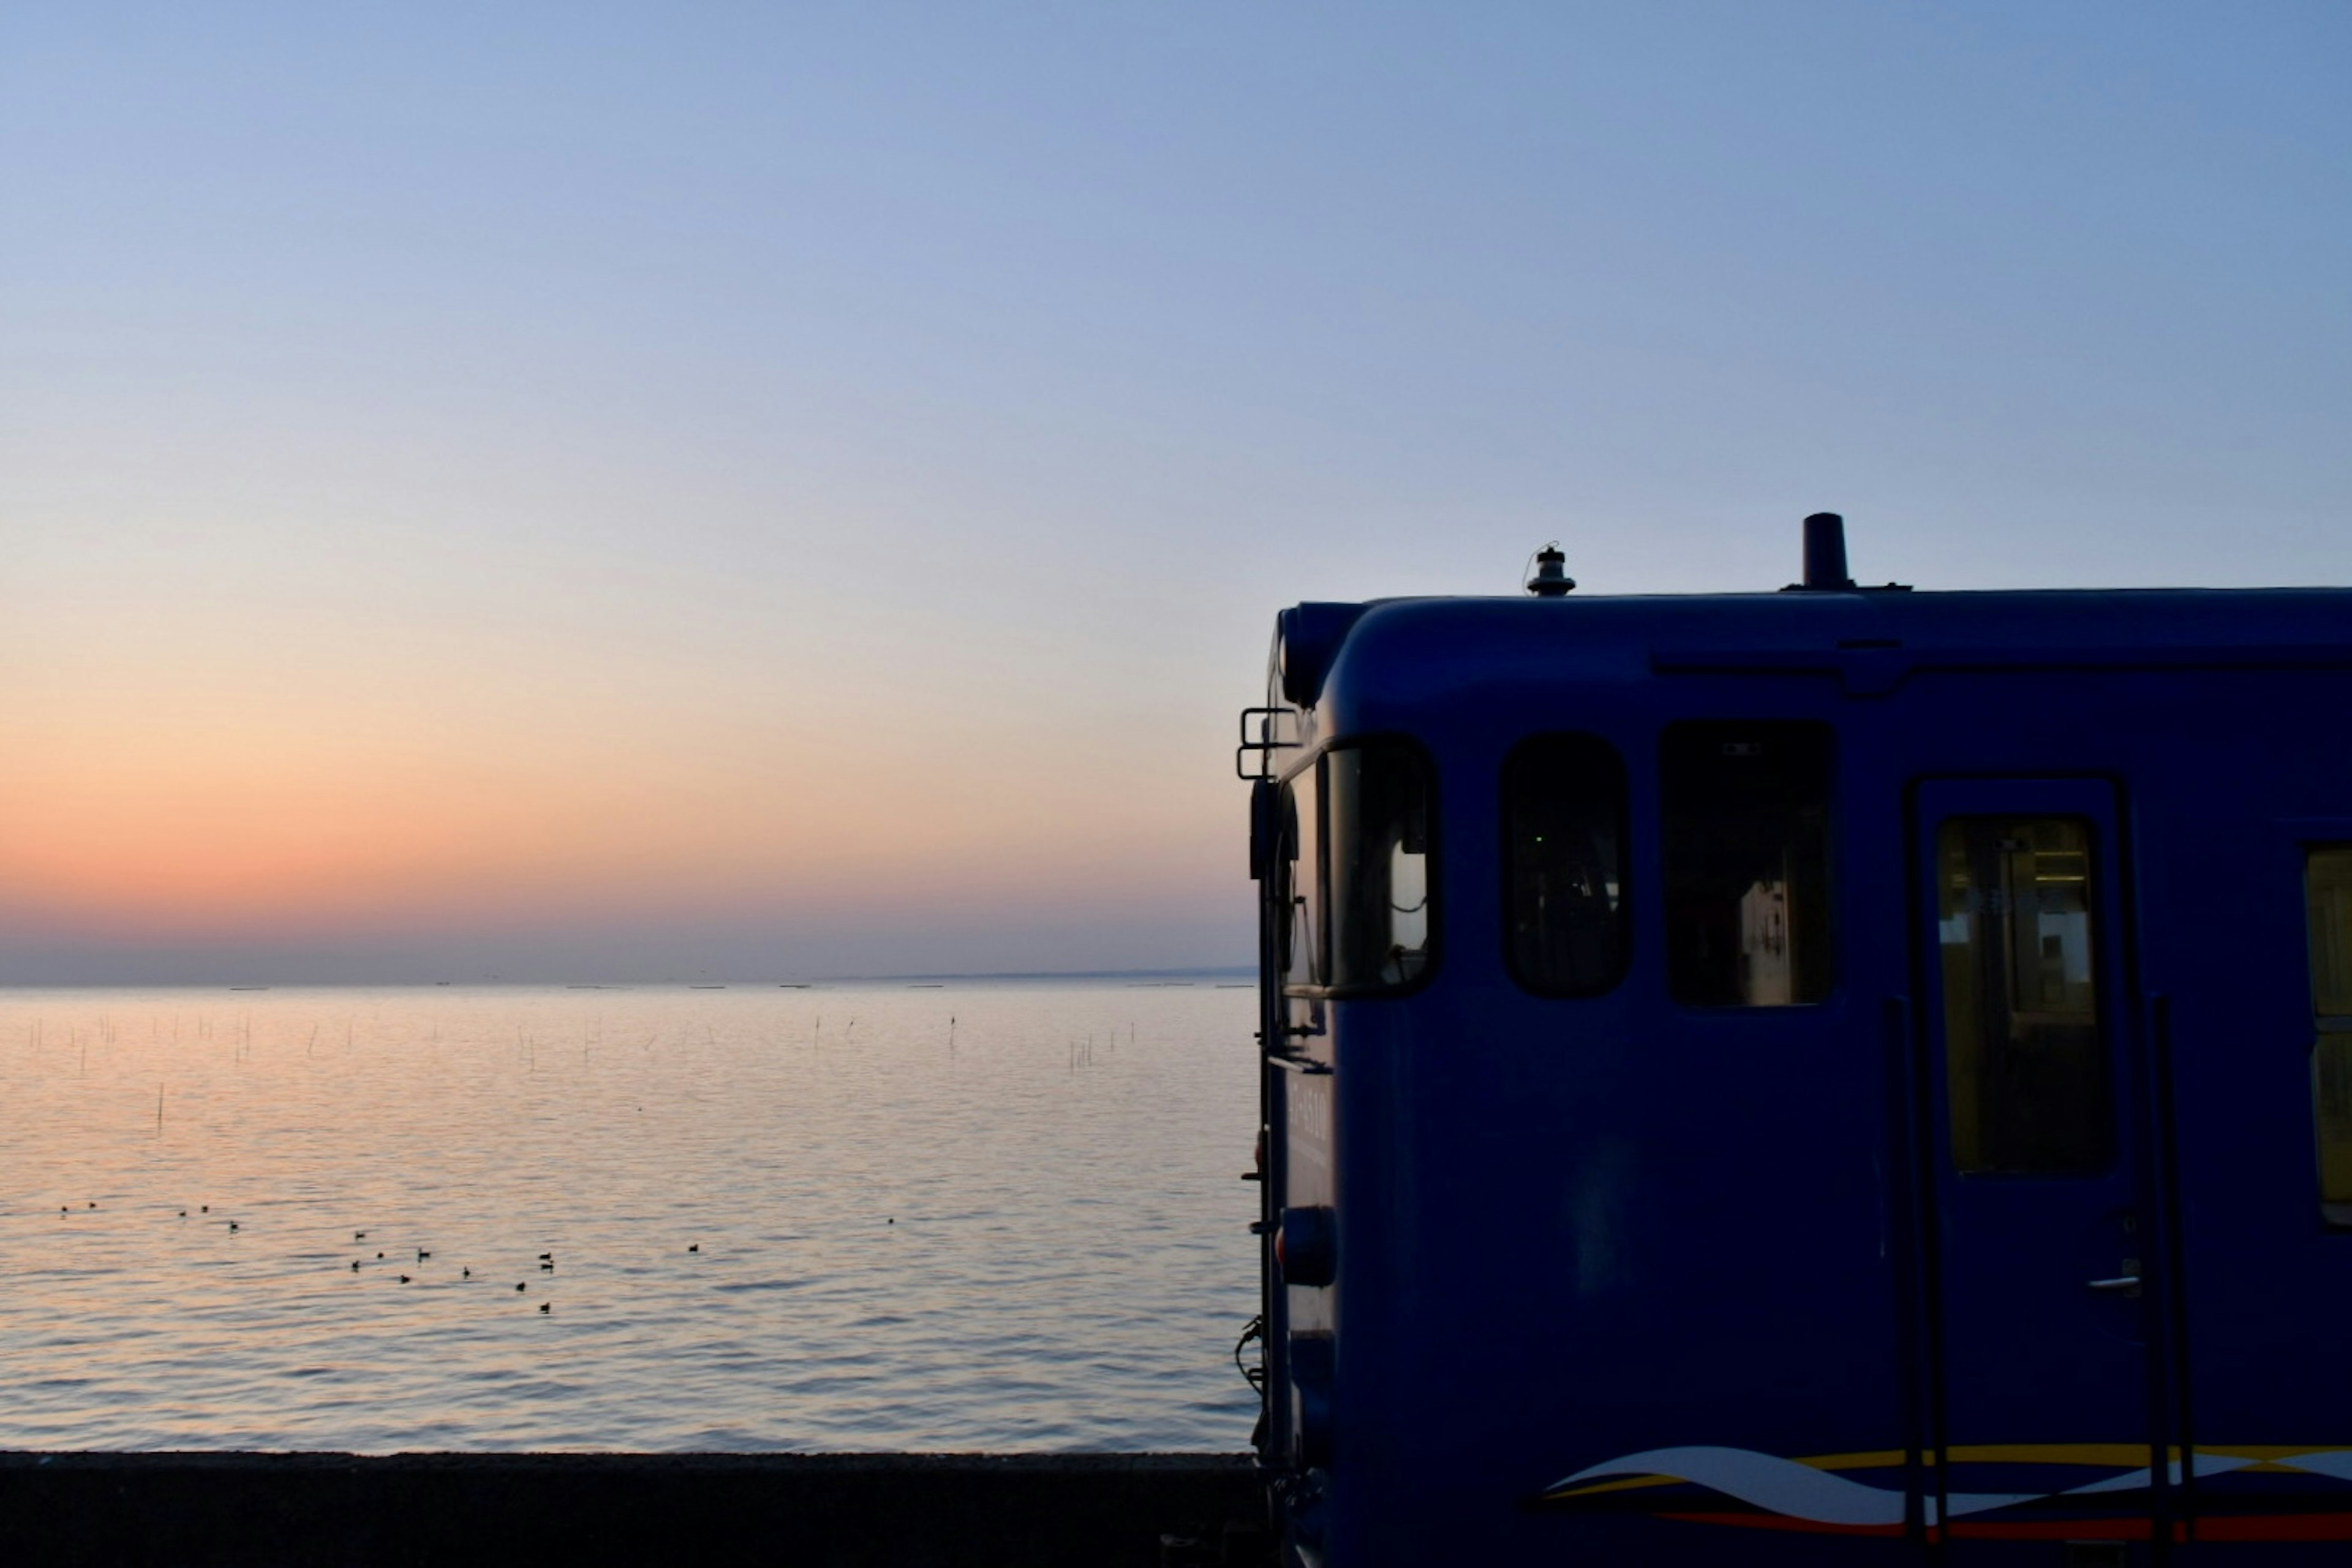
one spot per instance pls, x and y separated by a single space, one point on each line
738 491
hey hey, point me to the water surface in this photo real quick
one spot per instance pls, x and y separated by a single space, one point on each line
983 1215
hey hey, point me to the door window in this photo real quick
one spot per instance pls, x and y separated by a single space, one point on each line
2025 1054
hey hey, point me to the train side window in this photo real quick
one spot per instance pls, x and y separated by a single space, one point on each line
2327 894
1564 864
1382 926
1745 810
2025 1056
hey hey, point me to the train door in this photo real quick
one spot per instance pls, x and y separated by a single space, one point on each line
2041 1254
2251 1009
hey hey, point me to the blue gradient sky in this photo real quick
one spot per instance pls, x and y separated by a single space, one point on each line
593 492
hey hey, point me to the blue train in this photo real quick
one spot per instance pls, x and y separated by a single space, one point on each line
1836 1075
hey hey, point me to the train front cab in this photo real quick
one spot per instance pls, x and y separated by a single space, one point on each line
1808 1079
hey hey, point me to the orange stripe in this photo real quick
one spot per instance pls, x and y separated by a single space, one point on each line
2052 1528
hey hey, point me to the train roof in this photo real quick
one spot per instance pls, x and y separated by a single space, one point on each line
1871 638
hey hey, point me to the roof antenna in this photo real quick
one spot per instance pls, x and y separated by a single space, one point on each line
1551 580
1825 553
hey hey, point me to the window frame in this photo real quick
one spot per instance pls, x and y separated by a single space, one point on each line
1622 916
1311 767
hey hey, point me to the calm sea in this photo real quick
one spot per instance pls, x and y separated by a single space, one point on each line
988 1214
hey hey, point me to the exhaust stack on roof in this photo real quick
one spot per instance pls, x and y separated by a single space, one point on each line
1825 553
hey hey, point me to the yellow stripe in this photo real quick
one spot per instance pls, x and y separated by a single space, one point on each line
2111 1455
2267 1456
2121 1455
1628 1484
1875 1460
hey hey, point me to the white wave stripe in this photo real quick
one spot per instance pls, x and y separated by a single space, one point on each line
1821 1497
2334 1463
2133 1480
1781 1485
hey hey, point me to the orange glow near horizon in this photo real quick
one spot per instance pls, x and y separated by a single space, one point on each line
333 798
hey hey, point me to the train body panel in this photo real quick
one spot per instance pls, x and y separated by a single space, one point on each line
1792 1077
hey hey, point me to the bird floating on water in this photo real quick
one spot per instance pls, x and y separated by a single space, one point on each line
232 1224
696 1248
355 1266
518 1284
422 1255
403 1279
547 1306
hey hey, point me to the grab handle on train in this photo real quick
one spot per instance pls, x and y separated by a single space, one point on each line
2128 1281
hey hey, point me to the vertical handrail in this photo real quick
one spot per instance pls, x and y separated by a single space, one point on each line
1912 1163
2172 1298
1265 870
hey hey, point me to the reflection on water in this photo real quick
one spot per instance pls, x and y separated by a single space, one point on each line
984 1215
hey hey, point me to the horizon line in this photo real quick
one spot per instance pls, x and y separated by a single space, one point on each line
1189 972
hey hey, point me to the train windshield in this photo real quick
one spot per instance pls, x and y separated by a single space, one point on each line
1382 930
1299 933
